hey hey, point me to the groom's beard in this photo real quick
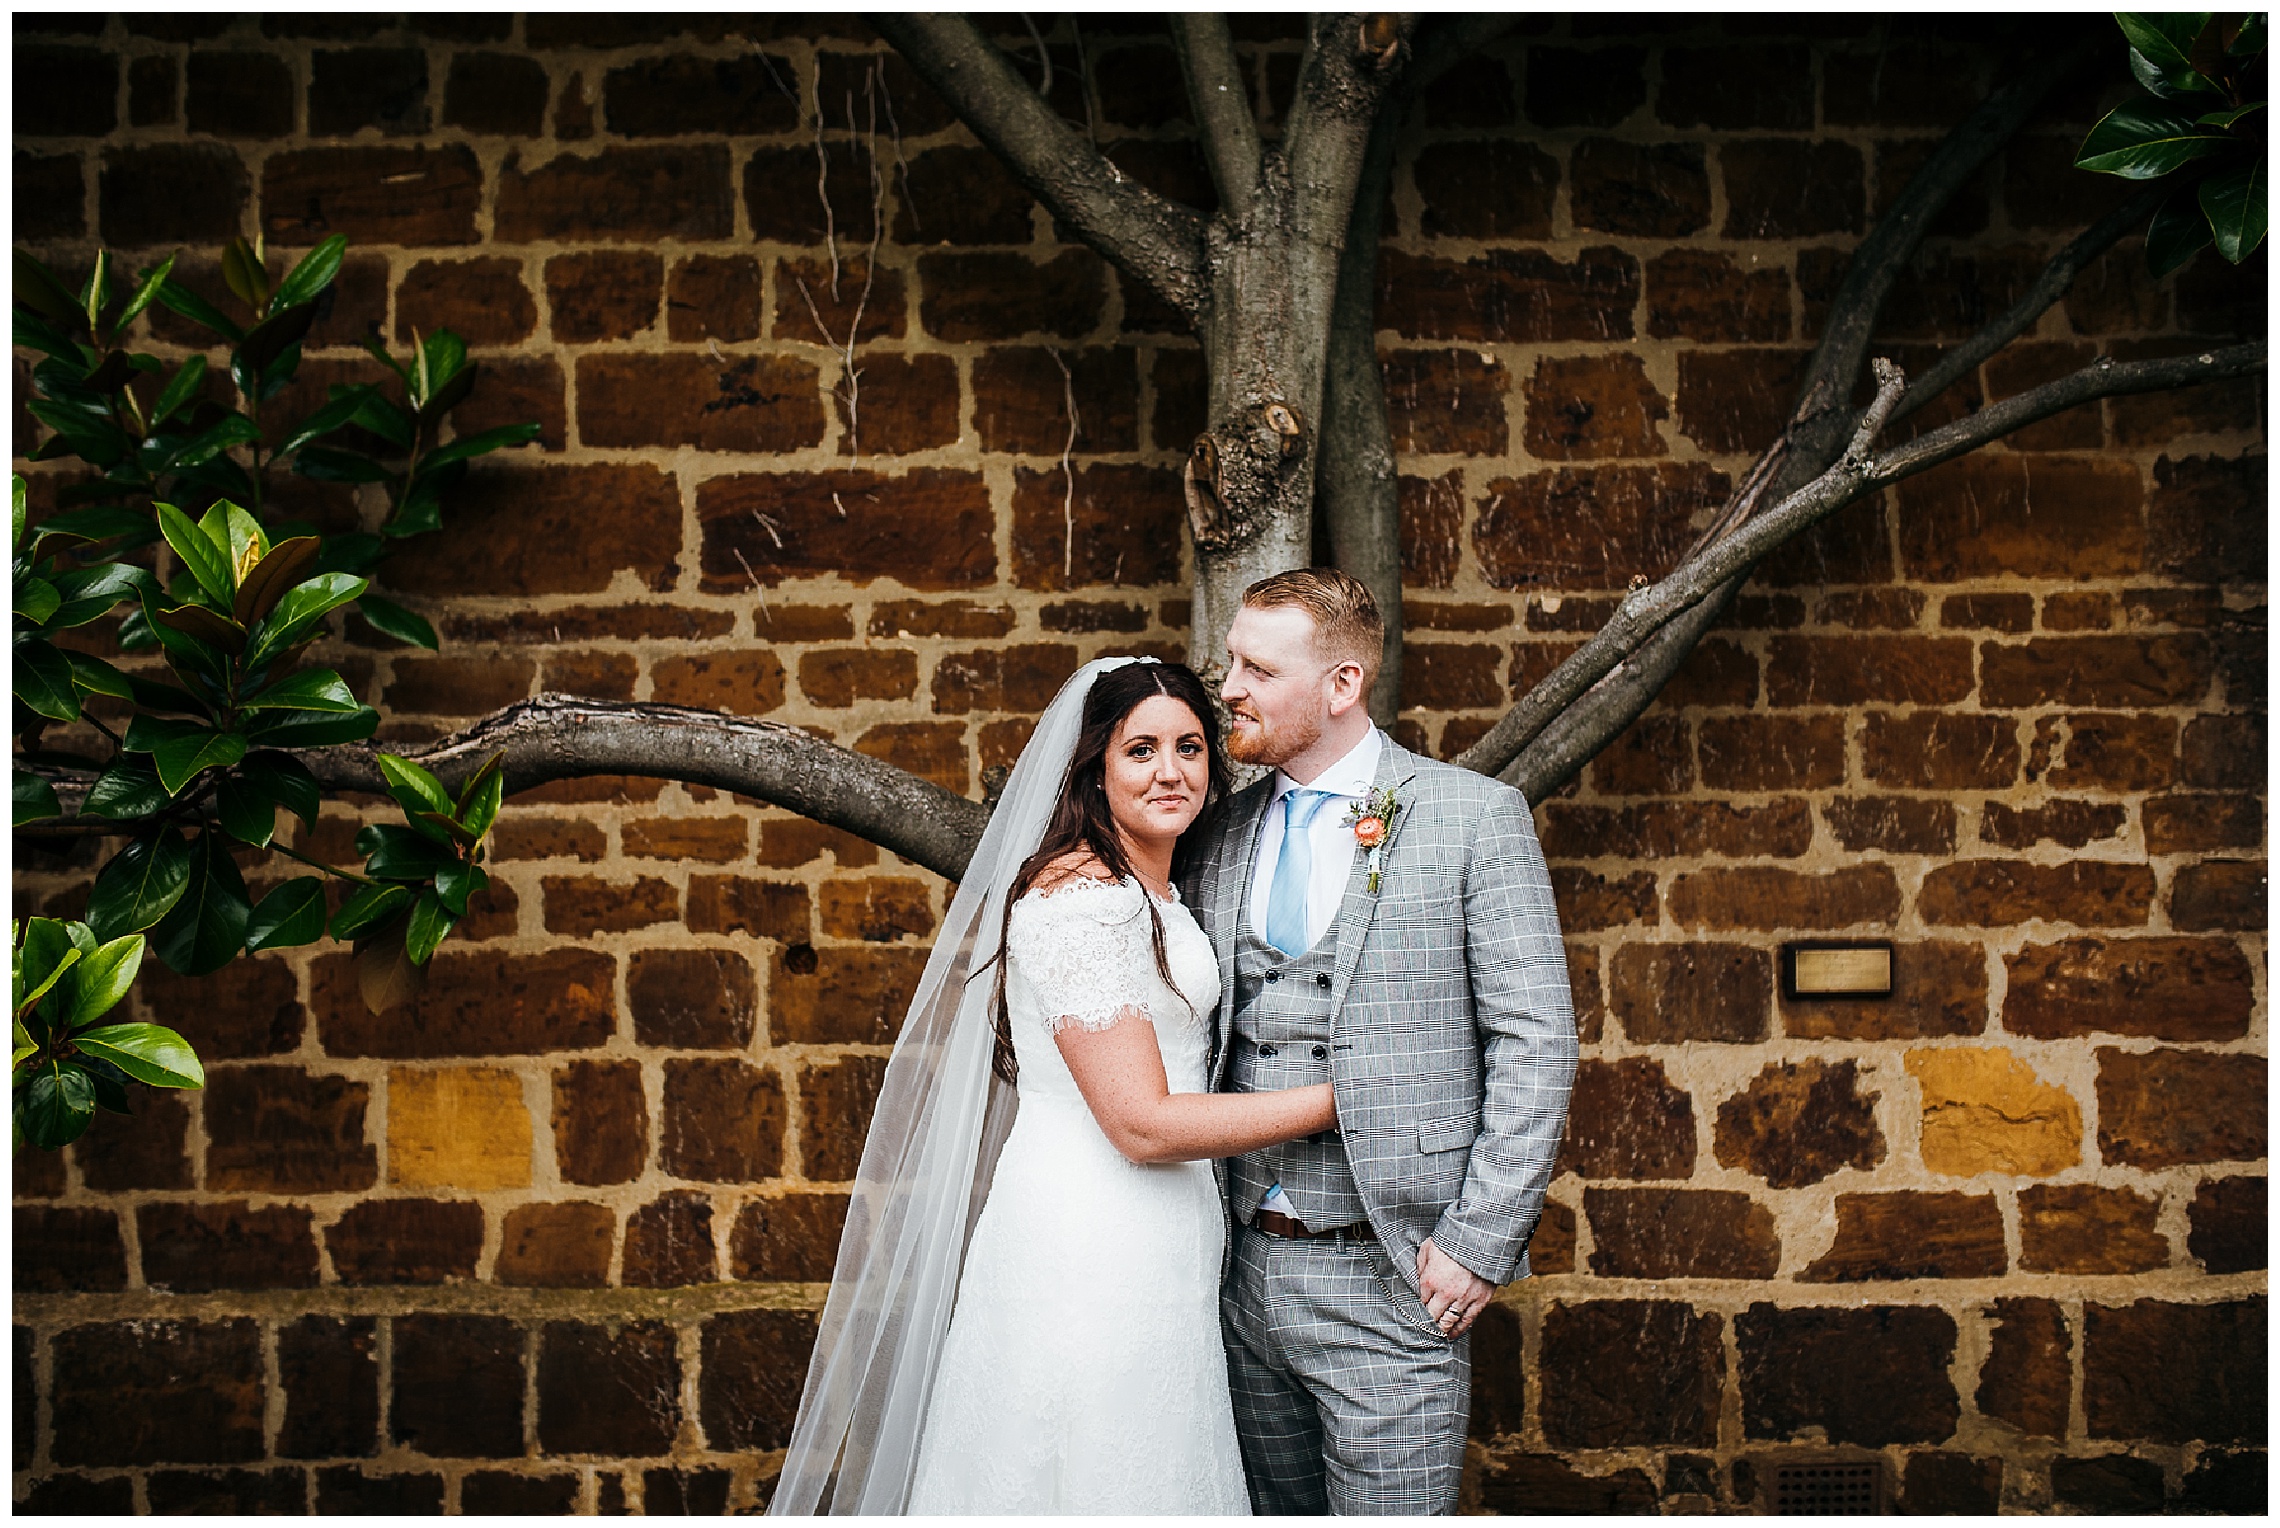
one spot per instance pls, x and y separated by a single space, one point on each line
1270 744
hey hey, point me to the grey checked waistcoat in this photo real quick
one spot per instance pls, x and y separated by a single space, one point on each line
1282 1040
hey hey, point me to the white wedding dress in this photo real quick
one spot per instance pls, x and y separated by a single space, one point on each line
1083 1370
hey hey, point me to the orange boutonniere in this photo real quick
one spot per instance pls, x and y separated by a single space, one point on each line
1372 818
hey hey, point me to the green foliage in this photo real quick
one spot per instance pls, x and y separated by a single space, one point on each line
173 534
66 1065
2202 120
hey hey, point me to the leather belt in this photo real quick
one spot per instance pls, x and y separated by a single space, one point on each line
1276 1224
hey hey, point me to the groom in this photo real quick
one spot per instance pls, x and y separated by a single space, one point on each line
1424 978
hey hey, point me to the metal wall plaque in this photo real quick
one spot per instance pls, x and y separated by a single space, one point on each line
1836 968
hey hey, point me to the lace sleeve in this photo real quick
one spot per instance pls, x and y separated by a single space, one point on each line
1085 953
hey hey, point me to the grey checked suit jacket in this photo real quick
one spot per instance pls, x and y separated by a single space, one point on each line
1453 1032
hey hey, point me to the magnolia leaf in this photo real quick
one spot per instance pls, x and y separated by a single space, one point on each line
2234 202
89 593
341 411
248 542
140 885
35 798
414 788
179 391
243 275
180 299
301 608
36 600
269 580
386 976
429 922
395 853
47 952
182 758
129 789
103 979
305 690
2143 139
310 729
369 907
313 274
479 444
268 341
216 631
205 561
2229 115
247 814
2179 231
205 929
53 1108
43 680
286 781
38 287
293 914
149 1053
145 294
392 619
454 886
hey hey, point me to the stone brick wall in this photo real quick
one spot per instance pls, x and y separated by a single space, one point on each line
553 1236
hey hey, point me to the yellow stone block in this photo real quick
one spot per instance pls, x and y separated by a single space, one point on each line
1985 1111
463 1128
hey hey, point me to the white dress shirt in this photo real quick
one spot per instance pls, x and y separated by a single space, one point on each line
1329 834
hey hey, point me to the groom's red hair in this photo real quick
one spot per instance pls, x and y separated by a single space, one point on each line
1347 626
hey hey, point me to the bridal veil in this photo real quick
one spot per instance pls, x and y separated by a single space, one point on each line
941 1117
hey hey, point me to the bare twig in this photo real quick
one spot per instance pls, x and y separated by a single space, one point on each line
850 387
1044 58
1068 473
1085 84
1151 239
823 183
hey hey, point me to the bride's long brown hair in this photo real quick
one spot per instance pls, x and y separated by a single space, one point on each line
1082 820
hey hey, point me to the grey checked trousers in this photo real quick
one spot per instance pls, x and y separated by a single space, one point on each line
1347 1400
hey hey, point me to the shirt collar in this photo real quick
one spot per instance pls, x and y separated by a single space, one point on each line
1351 776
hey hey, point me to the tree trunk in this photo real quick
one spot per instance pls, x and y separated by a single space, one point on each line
1250 475
1273 262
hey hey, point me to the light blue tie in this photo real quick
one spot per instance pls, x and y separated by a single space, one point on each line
1286 898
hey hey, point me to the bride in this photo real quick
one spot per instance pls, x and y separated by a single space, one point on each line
1024 1318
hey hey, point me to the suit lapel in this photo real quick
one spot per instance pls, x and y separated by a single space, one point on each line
1397 766
1233 886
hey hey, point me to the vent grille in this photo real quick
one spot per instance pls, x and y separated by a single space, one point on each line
1829 1487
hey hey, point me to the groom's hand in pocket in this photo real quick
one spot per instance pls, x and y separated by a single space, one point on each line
1454 1295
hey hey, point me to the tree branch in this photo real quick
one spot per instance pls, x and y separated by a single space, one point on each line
1350 66
1556 743
2051 285
1222 107
1358 482
1891 244
1155 241
560 737
1511 749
